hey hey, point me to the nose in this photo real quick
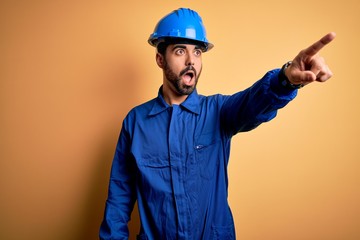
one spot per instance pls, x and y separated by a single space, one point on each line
190 60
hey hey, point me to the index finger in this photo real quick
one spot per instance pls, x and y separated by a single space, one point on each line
317 46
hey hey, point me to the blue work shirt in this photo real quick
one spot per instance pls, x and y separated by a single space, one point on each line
173 161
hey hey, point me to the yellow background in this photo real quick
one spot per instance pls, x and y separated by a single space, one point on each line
71 70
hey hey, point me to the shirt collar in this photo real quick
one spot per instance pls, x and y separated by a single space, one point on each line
191 103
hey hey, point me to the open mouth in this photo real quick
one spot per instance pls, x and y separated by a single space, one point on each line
188 77
190 74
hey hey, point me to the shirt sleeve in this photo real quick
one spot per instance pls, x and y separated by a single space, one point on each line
259 103
121 194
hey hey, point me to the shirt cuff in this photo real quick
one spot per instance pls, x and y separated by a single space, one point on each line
277 87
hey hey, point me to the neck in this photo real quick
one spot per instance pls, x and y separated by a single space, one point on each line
171 97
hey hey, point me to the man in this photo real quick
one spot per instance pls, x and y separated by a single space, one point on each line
173 150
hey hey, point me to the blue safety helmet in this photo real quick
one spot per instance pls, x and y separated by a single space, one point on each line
181 25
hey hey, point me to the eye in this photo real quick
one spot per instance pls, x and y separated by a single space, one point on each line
198 52
180 51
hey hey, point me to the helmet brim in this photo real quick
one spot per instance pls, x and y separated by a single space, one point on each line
204 46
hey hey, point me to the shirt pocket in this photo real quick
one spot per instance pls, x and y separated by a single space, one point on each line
152 160
154 172
206 155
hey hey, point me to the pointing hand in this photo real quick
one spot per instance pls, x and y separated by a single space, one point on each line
308 66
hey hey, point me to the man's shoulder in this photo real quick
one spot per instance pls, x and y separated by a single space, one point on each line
211 98
144 107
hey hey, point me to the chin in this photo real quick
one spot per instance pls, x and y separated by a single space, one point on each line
187 90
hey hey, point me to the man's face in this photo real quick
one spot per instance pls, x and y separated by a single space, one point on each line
182 68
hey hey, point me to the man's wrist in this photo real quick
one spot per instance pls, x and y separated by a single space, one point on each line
284 80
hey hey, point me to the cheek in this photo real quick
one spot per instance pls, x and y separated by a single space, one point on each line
198 62
198 67
175 67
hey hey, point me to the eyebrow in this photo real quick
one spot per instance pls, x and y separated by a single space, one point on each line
184 47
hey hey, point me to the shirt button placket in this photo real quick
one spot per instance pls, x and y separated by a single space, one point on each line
175 130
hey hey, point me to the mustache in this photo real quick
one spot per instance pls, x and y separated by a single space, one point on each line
188 68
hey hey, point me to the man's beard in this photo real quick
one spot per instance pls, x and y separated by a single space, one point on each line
175 80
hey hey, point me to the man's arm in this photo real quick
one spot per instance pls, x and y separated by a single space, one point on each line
246 110
122 194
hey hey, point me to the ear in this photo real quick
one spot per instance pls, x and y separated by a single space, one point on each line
160 60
